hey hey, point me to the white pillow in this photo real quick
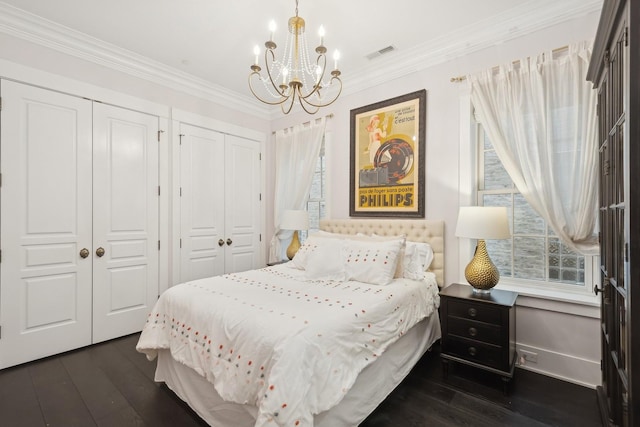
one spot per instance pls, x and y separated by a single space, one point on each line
400 264
417 259
319 238
372 261
326 262
305 251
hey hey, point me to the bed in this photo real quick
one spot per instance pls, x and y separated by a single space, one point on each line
327 357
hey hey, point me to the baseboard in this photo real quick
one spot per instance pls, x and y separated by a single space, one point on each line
561 366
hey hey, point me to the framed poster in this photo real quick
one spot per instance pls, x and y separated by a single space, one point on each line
387 158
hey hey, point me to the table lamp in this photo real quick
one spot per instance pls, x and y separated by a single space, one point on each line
294 220
482 222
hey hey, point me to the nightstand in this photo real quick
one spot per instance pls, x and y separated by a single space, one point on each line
479 329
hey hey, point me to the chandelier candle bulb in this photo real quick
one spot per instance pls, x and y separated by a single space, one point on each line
256 52
272 29
336 56
321 34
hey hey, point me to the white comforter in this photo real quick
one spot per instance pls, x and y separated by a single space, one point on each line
268 338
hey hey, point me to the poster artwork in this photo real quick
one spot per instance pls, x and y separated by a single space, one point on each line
386 161
387 150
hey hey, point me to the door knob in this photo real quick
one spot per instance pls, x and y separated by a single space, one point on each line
84 253
229 242
100 251
220 242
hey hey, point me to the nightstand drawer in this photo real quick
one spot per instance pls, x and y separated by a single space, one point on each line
475 330
478 352
479 312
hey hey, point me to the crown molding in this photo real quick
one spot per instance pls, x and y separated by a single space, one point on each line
472 38
32 28
480 35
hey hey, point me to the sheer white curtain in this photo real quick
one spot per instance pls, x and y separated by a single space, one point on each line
297 151
541 119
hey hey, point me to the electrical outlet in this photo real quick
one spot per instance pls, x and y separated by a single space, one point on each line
529 356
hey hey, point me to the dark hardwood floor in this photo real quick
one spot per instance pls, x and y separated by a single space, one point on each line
110 384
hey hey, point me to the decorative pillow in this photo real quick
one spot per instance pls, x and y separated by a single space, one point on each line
361 237
320 237
417 259
400 264
372 261
313 242
326 261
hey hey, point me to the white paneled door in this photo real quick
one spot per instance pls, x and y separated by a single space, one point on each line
219 204
125 220
242 204
201 202
74 182
45 220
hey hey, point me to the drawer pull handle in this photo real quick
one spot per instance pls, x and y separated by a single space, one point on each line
473 331
472 312
472 351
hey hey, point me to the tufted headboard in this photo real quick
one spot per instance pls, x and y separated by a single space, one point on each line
416 230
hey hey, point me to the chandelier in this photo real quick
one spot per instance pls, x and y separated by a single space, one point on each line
295 76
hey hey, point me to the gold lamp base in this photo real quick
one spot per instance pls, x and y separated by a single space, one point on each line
293 246
481 273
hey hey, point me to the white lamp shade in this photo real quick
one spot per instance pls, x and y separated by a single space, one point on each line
483 222
295 220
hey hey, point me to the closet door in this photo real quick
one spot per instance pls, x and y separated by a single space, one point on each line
125 215
45 223
202 177
219 203
242 204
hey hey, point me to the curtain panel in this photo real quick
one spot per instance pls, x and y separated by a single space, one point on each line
297 151
540 115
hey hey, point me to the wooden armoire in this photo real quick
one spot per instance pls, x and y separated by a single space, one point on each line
615 73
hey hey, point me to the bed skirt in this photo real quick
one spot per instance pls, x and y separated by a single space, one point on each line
372 386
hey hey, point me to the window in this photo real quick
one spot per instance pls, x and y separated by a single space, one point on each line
534 255
317 195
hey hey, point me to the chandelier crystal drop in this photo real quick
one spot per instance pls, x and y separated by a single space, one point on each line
297 75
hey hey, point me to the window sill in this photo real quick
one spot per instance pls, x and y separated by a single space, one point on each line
580 304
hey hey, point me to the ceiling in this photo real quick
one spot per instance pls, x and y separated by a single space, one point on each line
210 42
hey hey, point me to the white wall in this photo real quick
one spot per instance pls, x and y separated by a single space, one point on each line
566 338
